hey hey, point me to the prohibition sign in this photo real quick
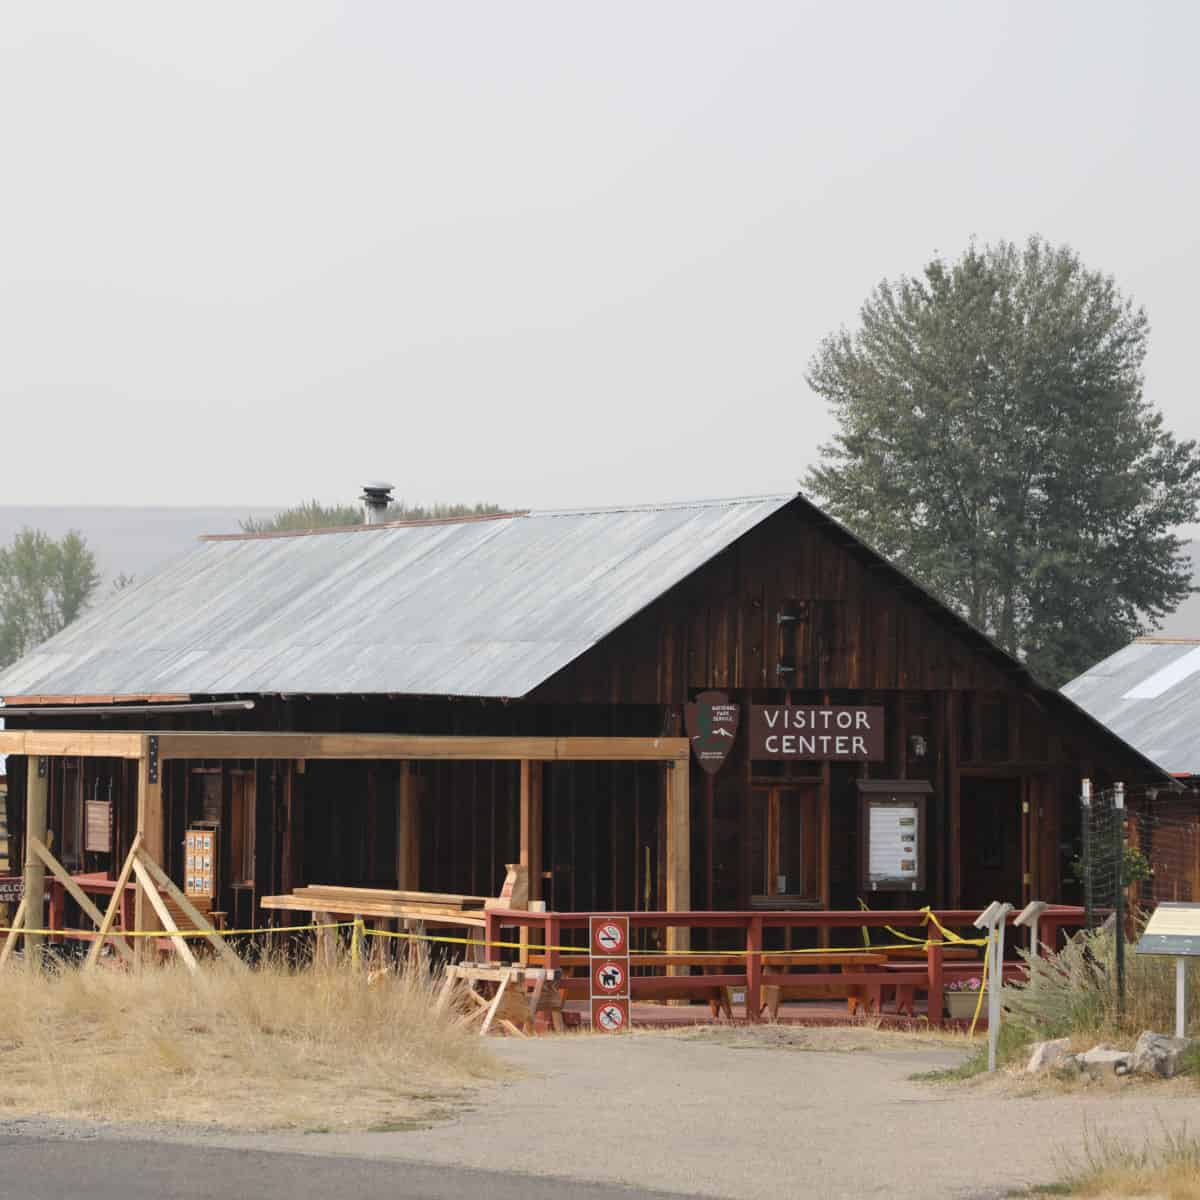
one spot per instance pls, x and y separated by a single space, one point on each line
610 1016
608 977
610 936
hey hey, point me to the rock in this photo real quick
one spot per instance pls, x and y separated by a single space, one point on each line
1157 1054
1103 1058
1047 1054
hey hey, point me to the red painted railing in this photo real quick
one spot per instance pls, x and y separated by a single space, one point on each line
549 928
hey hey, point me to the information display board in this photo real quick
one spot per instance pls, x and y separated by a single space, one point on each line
1172 931
892 835
200 862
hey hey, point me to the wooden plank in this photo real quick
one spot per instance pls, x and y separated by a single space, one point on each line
193 914
14 929
164 914
37 780
114 904
76 893
397 895
293 903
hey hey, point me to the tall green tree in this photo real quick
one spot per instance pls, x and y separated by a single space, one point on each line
314 515
44 585
995 443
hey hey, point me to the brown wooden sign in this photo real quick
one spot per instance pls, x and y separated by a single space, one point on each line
712 724
805 732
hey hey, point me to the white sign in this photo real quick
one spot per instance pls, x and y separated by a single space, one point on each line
893 842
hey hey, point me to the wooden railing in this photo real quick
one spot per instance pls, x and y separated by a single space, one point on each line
549 929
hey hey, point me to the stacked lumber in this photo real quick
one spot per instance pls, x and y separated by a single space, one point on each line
442 907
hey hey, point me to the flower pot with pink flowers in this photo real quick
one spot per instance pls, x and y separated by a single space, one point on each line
961 997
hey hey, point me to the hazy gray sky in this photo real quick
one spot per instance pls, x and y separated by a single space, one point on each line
535 253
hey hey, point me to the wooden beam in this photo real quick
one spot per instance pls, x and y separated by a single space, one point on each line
76 893
408 829
37 780
217 744
419 746
63 743
531 825
678 851
150 829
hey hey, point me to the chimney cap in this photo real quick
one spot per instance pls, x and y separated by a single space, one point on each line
375 489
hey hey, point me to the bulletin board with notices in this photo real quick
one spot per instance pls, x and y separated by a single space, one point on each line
892 834
200 862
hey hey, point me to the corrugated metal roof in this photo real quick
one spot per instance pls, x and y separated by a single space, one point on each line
473 608
1149 695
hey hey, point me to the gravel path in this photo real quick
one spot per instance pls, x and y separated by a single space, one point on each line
754 1115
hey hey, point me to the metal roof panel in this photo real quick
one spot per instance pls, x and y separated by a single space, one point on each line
474 608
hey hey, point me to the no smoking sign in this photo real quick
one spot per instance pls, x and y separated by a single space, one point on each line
610 935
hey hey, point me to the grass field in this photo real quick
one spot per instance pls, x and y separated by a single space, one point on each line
272 1048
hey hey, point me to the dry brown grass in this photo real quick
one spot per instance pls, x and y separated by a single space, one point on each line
275 1047
1165 1170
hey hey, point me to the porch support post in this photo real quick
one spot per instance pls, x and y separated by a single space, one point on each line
531 824
408 830
37 771
151 827
678 850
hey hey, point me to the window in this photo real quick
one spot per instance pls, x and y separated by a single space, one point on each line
241 827
783 845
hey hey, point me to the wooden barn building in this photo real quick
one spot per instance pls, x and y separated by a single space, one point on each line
534 673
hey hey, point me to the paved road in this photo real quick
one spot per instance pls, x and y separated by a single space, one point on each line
33 1168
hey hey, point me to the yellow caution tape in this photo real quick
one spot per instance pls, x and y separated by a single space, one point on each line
987 950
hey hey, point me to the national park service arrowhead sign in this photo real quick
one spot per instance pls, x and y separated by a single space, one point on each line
712 724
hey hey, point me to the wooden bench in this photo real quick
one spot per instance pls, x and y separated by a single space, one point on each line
714 988
851 981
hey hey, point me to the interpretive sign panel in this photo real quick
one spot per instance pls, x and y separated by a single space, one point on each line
830 732
1173 930
892 836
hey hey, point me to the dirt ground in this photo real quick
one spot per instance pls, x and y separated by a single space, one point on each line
763 1112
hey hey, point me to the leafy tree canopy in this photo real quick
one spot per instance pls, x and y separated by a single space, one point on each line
995 443
44 586
314 515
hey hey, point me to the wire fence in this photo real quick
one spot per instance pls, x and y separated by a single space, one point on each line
1139 847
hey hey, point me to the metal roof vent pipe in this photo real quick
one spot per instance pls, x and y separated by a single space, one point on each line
377 497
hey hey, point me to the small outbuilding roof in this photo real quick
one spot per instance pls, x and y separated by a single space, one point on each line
488 607
1148 695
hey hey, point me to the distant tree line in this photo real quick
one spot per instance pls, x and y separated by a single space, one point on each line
314 515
